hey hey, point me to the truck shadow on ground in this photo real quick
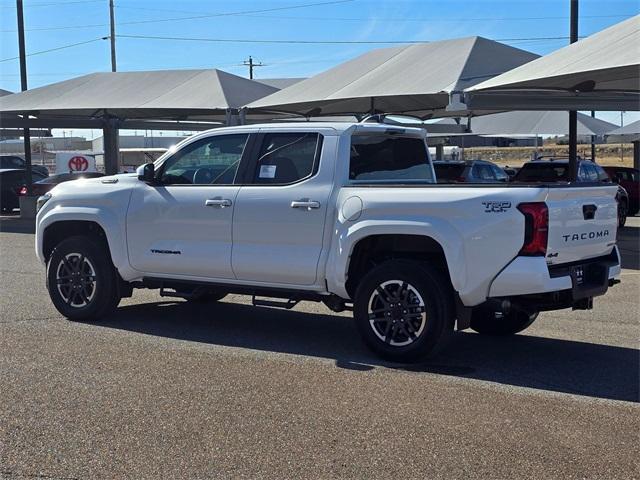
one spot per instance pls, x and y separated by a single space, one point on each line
564 366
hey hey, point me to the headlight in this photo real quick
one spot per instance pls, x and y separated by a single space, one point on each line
41 201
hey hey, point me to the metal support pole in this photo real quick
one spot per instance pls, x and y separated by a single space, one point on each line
440 152
573 115
593 141
26 134
112 36
111 145
636 154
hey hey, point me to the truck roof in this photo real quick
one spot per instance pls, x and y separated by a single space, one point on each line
337 127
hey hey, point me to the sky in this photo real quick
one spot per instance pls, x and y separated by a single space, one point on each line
247 27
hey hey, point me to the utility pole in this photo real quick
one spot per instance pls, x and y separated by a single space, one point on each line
112 36
573 115
251 64
23 84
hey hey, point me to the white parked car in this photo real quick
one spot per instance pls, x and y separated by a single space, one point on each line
347 214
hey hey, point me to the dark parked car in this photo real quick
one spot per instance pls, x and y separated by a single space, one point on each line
11 181
16 162
557 170
629 178
43 186
470 171
511 171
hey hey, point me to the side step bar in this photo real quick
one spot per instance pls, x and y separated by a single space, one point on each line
287 304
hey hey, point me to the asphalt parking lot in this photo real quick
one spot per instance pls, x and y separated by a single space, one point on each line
165 389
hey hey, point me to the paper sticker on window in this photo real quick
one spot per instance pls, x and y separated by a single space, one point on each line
267 171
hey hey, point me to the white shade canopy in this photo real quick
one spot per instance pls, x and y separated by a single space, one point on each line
534 123
416 79
628 133
162 94
600 72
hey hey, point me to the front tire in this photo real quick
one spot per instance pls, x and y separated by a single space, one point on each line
487 321
81 280
403 310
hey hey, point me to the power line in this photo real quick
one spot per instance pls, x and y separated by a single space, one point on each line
54 4
229 14
316 42
420 20
55 49
175 19
264 10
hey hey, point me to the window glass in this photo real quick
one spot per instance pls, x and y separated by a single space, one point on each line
499 173
447 172
482 171
387 159
590 172
287 157
601 174
11 162
583 175
543 172
209 161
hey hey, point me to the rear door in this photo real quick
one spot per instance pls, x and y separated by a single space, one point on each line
582 222
280 211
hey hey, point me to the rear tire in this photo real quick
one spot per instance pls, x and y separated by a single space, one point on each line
489 322
403 310
622 214
81 280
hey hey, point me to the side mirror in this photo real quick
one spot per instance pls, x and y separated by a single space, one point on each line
147 173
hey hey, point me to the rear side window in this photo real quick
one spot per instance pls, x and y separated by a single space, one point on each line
286 158
542 172
446 172
11 162
499 173
482 171
602 175
591 174
389 159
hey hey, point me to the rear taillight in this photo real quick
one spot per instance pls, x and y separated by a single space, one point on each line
536 228
22 191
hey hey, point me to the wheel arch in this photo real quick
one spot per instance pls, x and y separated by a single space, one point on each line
61 223
54 233
374 249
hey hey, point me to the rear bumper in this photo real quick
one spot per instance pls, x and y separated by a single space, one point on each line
529 280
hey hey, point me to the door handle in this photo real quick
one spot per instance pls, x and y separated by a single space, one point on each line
217 202
305 203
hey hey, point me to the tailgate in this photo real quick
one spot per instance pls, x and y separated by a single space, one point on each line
583 222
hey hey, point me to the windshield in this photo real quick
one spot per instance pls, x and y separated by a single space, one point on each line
387 158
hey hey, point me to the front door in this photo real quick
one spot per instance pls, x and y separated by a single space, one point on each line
280 212
182 226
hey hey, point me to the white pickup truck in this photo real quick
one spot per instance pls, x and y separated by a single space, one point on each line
346 214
